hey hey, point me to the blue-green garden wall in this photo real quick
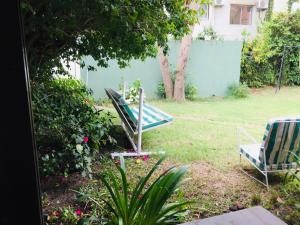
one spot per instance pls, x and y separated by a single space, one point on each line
212 67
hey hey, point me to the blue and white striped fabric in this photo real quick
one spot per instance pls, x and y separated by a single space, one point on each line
152 116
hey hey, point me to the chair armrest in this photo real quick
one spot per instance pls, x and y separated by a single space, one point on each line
242 131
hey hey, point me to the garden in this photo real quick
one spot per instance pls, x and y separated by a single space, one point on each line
199 175
202 137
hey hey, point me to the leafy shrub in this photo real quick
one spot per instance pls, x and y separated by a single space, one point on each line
69 129
256 199
96 210
254 73
208 34
293 174
65 216
238 91
160 90
291 191
191 91
261 58
145 203
132 93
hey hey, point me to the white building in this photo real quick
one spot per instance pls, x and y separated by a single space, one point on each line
280 5
73 70
229 18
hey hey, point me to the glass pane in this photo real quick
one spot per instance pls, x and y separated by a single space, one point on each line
246 15
235 14
205 8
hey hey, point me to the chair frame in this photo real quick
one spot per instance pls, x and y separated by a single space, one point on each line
131 132
265 171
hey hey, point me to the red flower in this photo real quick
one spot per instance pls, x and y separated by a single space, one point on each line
85 139
78 212
55 213
140 197
146 157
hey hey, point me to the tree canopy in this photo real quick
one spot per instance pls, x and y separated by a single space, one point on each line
262 57
66 30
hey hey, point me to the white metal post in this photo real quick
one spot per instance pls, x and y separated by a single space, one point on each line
140 121
265 169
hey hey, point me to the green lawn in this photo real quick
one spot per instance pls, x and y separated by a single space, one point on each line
206 129
203 136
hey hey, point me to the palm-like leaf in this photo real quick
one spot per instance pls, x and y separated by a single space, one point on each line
145 206
291 174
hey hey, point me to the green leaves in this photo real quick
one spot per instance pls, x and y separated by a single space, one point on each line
293 174
261 58
133 91
147 203
238 90
104 29
69 129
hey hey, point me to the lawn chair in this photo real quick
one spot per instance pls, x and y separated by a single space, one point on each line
135 121
280 145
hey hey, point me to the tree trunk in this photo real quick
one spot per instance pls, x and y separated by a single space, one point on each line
186 42
165 70
181 65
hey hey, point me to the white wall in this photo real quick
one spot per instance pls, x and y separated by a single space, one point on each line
219 19
295 6
280 5
74 69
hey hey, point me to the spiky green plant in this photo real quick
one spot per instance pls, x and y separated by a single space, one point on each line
146 204
293 174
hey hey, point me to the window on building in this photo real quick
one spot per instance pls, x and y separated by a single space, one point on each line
205 10
241 14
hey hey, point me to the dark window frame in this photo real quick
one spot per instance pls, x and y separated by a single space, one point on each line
20 188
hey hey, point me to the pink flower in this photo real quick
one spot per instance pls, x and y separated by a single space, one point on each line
146 157
85 139
78 212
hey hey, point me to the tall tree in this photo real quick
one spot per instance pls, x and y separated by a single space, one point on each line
165 71
181 66
66 30
186 41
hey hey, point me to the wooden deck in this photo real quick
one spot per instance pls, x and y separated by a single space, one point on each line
251 216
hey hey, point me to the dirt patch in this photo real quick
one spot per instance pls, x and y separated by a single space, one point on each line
56 191
221 180
218 191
